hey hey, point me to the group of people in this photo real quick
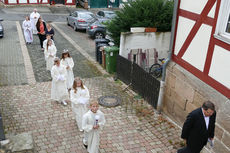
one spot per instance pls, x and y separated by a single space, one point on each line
65 88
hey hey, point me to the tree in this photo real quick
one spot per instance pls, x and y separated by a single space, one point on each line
142 13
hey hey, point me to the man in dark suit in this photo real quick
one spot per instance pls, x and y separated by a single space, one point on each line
198 128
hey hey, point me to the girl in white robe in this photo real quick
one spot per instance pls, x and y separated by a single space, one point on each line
50 54
59 91
92 123
79 97
48 37
27 29
67 61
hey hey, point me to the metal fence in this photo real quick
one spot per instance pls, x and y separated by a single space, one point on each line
140 80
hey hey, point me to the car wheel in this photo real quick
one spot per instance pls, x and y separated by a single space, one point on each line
99 35
74 27
68 22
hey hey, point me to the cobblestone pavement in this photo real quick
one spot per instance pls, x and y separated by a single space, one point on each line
133 127
12 68
82 67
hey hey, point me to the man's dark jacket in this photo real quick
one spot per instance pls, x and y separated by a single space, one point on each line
195 131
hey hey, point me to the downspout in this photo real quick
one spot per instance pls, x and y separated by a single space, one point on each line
162 83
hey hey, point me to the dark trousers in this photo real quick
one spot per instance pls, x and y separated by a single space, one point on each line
186 150
41 38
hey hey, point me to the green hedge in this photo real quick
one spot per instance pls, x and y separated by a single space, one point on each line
142 13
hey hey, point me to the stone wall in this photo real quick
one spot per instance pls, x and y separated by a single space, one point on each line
185 92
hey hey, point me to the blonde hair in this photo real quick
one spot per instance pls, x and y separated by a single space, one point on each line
93 102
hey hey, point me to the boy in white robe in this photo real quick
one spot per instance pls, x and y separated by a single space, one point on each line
59 91
27 29
34 19
92 123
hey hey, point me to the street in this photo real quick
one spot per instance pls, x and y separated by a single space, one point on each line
133 127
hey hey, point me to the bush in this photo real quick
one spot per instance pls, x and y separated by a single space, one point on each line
141 13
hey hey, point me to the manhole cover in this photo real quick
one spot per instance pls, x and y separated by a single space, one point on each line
109 101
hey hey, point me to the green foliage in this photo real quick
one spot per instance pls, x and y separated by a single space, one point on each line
142 13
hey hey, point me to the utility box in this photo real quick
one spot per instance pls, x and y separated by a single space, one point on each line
111 58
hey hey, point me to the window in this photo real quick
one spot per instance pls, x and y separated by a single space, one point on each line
223 23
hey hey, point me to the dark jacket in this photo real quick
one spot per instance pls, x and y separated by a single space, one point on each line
195 131
38 27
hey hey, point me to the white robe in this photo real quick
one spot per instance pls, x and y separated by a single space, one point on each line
59 90
34 19
70 77
79 103
92 135
27 28
45 43
50 54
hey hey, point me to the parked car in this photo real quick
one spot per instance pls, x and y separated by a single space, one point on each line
97 29
80 19
105 14
1 29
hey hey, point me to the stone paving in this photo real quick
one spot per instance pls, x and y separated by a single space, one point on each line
131 128
12 68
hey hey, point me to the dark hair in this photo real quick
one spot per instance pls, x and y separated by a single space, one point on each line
208 105
38 23
62 55
47 45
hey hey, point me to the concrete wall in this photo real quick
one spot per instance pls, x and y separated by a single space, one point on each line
185 92
145 40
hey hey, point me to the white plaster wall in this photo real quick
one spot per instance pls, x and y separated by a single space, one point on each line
220 66
22 1
197 50
44 1
69 1
33 1
183 29
12 1
145 40
212 11
195 6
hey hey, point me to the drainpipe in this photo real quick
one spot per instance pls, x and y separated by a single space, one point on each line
162 83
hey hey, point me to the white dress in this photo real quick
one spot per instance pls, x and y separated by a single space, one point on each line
70 77
50 54
28 33
79 103
45 43
34 19
58 90
92 136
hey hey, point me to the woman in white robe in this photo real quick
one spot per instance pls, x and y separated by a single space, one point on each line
27 29
79 97
67 61
92 123
50 54
34 19
59 91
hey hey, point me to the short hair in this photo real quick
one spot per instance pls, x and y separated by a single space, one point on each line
208 105
93 102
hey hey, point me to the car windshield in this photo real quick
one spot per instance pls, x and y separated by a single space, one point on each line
110 15
86 15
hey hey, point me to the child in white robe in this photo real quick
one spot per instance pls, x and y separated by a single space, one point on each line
48 37
79 97
50 54
67 61
59 91
92 123
27 28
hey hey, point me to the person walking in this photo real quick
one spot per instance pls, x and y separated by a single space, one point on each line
92 123
41 27
50 54
59 91
48 37
50 30
27 29
79 97
199 128
34 19
67 61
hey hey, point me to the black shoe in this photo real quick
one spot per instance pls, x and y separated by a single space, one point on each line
86 146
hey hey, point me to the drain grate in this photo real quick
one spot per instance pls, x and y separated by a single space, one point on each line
109 101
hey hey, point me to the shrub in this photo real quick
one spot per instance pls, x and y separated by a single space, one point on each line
141 13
